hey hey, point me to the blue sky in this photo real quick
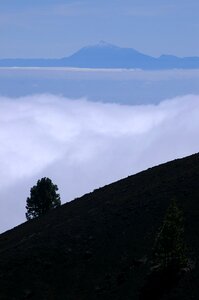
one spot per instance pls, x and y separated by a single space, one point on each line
57 28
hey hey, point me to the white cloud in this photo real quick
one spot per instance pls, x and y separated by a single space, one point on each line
82 145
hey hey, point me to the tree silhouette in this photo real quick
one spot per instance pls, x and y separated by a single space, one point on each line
169 248
43 197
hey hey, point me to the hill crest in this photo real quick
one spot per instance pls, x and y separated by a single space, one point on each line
99 246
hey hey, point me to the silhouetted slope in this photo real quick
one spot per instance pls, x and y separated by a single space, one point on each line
99 246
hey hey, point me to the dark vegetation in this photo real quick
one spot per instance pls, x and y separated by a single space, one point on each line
43 197
168 260
169 248
102 245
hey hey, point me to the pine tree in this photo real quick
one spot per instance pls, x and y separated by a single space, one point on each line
43 197
169 248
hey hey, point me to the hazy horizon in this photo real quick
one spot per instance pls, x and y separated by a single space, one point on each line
132 87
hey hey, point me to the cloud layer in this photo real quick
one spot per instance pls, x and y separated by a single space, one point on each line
83 145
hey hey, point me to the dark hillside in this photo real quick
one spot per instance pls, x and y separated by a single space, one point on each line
99 246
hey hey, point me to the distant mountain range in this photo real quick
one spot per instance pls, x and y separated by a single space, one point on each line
105 55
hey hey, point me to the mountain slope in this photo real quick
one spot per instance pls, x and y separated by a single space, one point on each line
99 246
104 55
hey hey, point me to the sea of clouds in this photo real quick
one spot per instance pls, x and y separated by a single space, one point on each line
82 145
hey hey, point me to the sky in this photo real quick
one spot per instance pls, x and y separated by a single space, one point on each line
82 145
79 143
58 28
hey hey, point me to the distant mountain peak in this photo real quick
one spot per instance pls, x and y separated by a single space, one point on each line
102 44
105 44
